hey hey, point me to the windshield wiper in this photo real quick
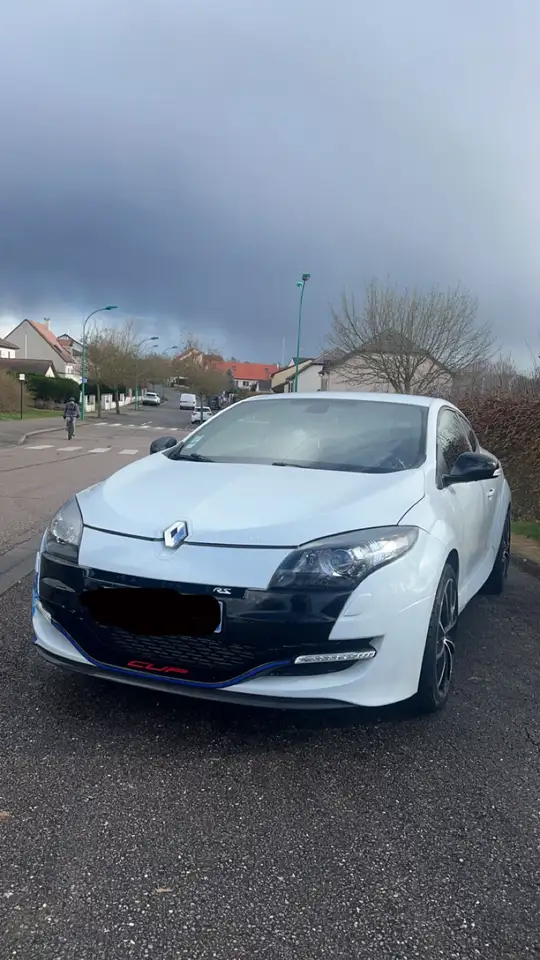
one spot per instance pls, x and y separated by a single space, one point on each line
194 456
289 463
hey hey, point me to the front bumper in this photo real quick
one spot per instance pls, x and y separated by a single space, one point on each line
264 632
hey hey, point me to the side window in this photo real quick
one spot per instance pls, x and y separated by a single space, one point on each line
473 439
452 440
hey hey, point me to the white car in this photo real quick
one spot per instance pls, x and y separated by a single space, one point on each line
151 399
309 550
196 415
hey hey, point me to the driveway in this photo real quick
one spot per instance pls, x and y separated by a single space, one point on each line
134 825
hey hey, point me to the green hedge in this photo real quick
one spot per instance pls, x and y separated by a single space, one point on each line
60 389
57 389
91 389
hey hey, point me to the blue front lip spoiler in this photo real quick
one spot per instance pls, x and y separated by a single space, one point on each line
106 668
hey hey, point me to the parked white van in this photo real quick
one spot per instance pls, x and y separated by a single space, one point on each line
188 401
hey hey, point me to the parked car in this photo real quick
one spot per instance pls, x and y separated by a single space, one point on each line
188 401
320 549
215 403
196 415
151 400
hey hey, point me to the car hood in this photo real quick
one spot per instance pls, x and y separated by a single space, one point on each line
243 504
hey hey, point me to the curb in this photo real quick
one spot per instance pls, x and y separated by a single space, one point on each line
526 566
37 433
34 433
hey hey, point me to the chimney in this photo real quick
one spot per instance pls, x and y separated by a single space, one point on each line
47 322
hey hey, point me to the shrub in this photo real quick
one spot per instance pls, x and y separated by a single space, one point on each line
509 426
10 393
55 389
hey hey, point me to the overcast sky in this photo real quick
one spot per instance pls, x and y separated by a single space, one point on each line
189 159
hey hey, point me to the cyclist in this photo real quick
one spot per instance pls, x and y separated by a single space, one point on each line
71 413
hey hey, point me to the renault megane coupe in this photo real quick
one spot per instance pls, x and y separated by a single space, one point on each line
295 550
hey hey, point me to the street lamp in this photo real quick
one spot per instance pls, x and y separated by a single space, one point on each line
163 385
137 347
302 284
83 361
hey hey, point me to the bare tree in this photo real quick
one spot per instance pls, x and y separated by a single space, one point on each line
111 359
96 362
407 341
201 378
196 366
496 377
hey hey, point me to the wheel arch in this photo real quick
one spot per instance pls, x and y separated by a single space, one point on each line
453 560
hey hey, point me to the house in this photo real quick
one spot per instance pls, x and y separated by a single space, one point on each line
256 377
43 367
373 366
194 355
36 341
309 376
72 345
8 349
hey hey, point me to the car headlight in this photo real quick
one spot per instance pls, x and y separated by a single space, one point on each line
64 533
341 562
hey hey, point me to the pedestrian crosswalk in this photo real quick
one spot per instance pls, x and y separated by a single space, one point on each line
73 448
134 426
138 426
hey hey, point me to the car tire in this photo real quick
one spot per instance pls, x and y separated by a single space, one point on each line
496 581
438 662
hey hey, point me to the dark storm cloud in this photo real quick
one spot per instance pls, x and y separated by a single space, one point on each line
188 160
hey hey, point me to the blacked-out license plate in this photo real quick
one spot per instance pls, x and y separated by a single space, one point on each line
159 612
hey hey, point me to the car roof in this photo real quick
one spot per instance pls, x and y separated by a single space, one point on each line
409 398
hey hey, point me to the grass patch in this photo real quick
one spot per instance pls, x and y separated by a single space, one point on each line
32 415
527 528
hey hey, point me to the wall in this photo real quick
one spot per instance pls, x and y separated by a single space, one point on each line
366 382
32 346
107 402
309 380
279 379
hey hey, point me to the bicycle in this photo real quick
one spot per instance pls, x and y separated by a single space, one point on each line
70 427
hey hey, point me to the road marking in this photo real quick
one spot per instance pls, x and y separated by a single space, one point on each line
127 453
41 446
66 449
99 450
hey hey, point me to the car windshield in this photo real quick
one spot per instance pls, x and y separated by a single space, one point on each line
366 436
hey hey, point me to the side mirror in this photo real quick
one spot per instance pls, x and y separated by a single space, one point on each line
162 443
471 466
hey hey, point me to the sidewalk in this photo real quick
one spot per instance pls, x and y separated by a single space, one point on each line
12 431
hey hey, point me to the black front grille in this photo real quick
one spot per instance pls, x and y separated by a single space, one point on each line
207 659
259 627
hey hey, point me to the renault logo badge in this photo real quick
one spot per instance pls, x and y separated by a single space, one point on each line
175 534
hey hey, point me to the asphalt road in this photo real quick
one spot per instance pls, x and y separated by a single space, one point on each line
134 825
39 476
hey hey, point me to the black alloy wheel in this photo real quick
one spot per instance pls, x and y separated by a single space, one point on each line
439 654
